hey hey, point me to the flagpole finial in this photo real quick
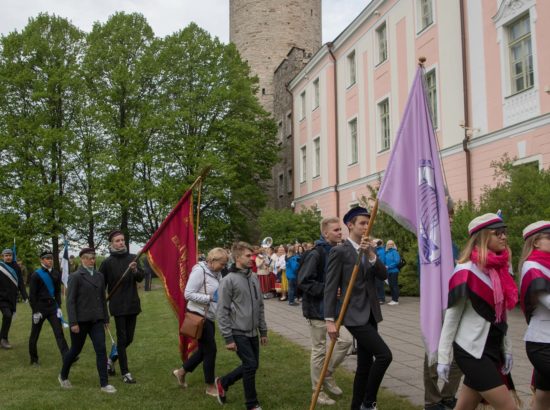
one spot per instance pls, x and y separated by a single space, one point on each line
421 61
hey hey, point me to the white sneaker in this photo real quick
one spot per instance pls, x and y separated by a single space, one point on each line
108 389
332 387
324 400
393 303
66 384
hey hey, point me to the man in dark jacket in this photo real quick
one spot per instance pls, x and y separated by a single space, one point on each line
311 281
87 312
45 299
124 303
363 313
11 282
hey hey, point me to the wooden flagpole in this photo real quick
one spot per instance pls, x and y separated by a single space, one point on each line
344 308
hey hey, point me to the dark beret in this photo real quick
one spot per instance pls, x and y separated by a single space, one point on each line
85 251
356 211
114 233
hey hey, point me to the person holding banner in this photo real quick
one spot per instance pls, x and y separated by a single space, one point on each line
88 316
535 302
481 290
124 303
11 282
45 301
201 294
363 314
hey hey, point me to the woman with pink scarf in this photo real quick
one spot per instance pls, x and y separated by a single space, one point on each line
534 266
481 291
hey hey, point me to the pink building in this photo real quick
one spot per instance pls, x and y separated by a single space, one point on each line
488 89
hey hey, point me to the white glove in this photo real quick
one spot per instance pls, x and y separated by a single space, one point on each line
443 371
36 317
59 313
508 363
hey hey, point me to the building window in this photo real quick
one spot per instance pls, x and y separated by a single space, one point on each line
289 124
316 94
303 169
290 182
352 75
317 157
426 13
281 185
384 114
431 89
302 105
382 43
352 127
521 54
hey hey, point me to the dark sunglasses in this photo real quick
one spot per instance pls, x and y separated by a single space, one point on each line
499 232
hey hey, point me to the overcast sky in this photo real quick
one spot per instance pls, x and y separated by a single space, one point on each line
164 16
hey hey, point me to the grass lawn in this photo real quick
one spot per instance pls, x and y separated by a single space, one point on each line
282 381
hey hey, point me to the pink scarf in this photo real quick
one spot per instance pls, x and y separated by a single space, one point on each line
540 257
505 291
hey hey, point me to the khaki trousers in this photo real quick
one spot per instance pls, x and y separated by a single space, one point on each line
432 393
318 330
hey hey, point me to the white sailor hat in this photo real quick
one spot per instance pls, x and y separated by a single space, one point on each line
536 227
486 221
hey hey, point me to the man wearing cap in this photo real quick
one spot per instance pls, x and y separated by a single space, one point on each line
11 282
363 314
45 300
124 303
87 311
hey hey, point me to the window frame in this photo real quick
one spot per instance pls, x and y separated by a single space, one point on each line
303 164
384 121
382 29
432 96
351 61
353 142
316 157
316 94
528 76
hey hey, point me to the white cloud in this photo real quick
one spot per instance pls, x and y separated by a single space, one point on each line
164 16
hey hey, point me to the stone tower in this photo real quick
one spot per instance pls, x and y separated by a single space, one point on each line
264 31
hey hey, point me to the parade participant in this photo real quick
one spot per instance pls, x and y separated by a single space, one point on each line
292 265
11 282
481 290
265 272
201 293
535 303
240 319
311 281
363 314
87 314
280 272
124 303
45 301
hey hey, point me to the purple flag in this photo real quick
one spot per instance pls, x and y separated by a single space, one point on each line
413 192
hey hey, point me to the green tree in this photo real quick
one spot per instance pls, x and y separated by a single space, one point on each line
284 226
40 86
209 116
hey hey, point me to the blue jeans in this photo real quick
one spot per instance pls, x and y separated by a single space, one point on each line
248 350
291 290
394 286
96 331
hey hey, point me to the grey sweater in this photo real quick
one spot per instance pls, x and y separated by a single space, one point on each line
240 306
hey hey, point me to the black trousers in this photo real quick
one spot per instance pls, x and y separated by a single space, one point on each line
373 359
7 316
125 329
248 350
57 328
205 354
96 331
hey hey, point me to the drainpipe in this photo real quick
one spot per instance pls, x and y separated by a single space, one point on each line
330 46
466 139
292 147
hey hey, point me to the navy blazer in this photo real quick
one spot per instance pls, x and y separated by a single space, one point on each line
86 297
341 262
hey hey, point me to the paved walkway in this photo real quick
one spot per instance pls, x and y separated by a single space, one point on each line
401 330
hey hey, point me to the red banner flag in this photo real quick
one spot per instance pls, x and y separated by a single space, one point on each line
171 252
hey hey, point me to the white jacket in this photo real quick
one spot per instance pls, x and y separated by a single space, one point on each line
195 293
539 329
465 326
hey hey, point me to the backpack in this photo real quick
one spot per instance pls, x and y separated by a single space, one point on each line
305 256
401 263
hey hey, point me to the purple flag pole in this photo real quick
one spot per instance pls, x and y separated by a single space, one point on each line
413 193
